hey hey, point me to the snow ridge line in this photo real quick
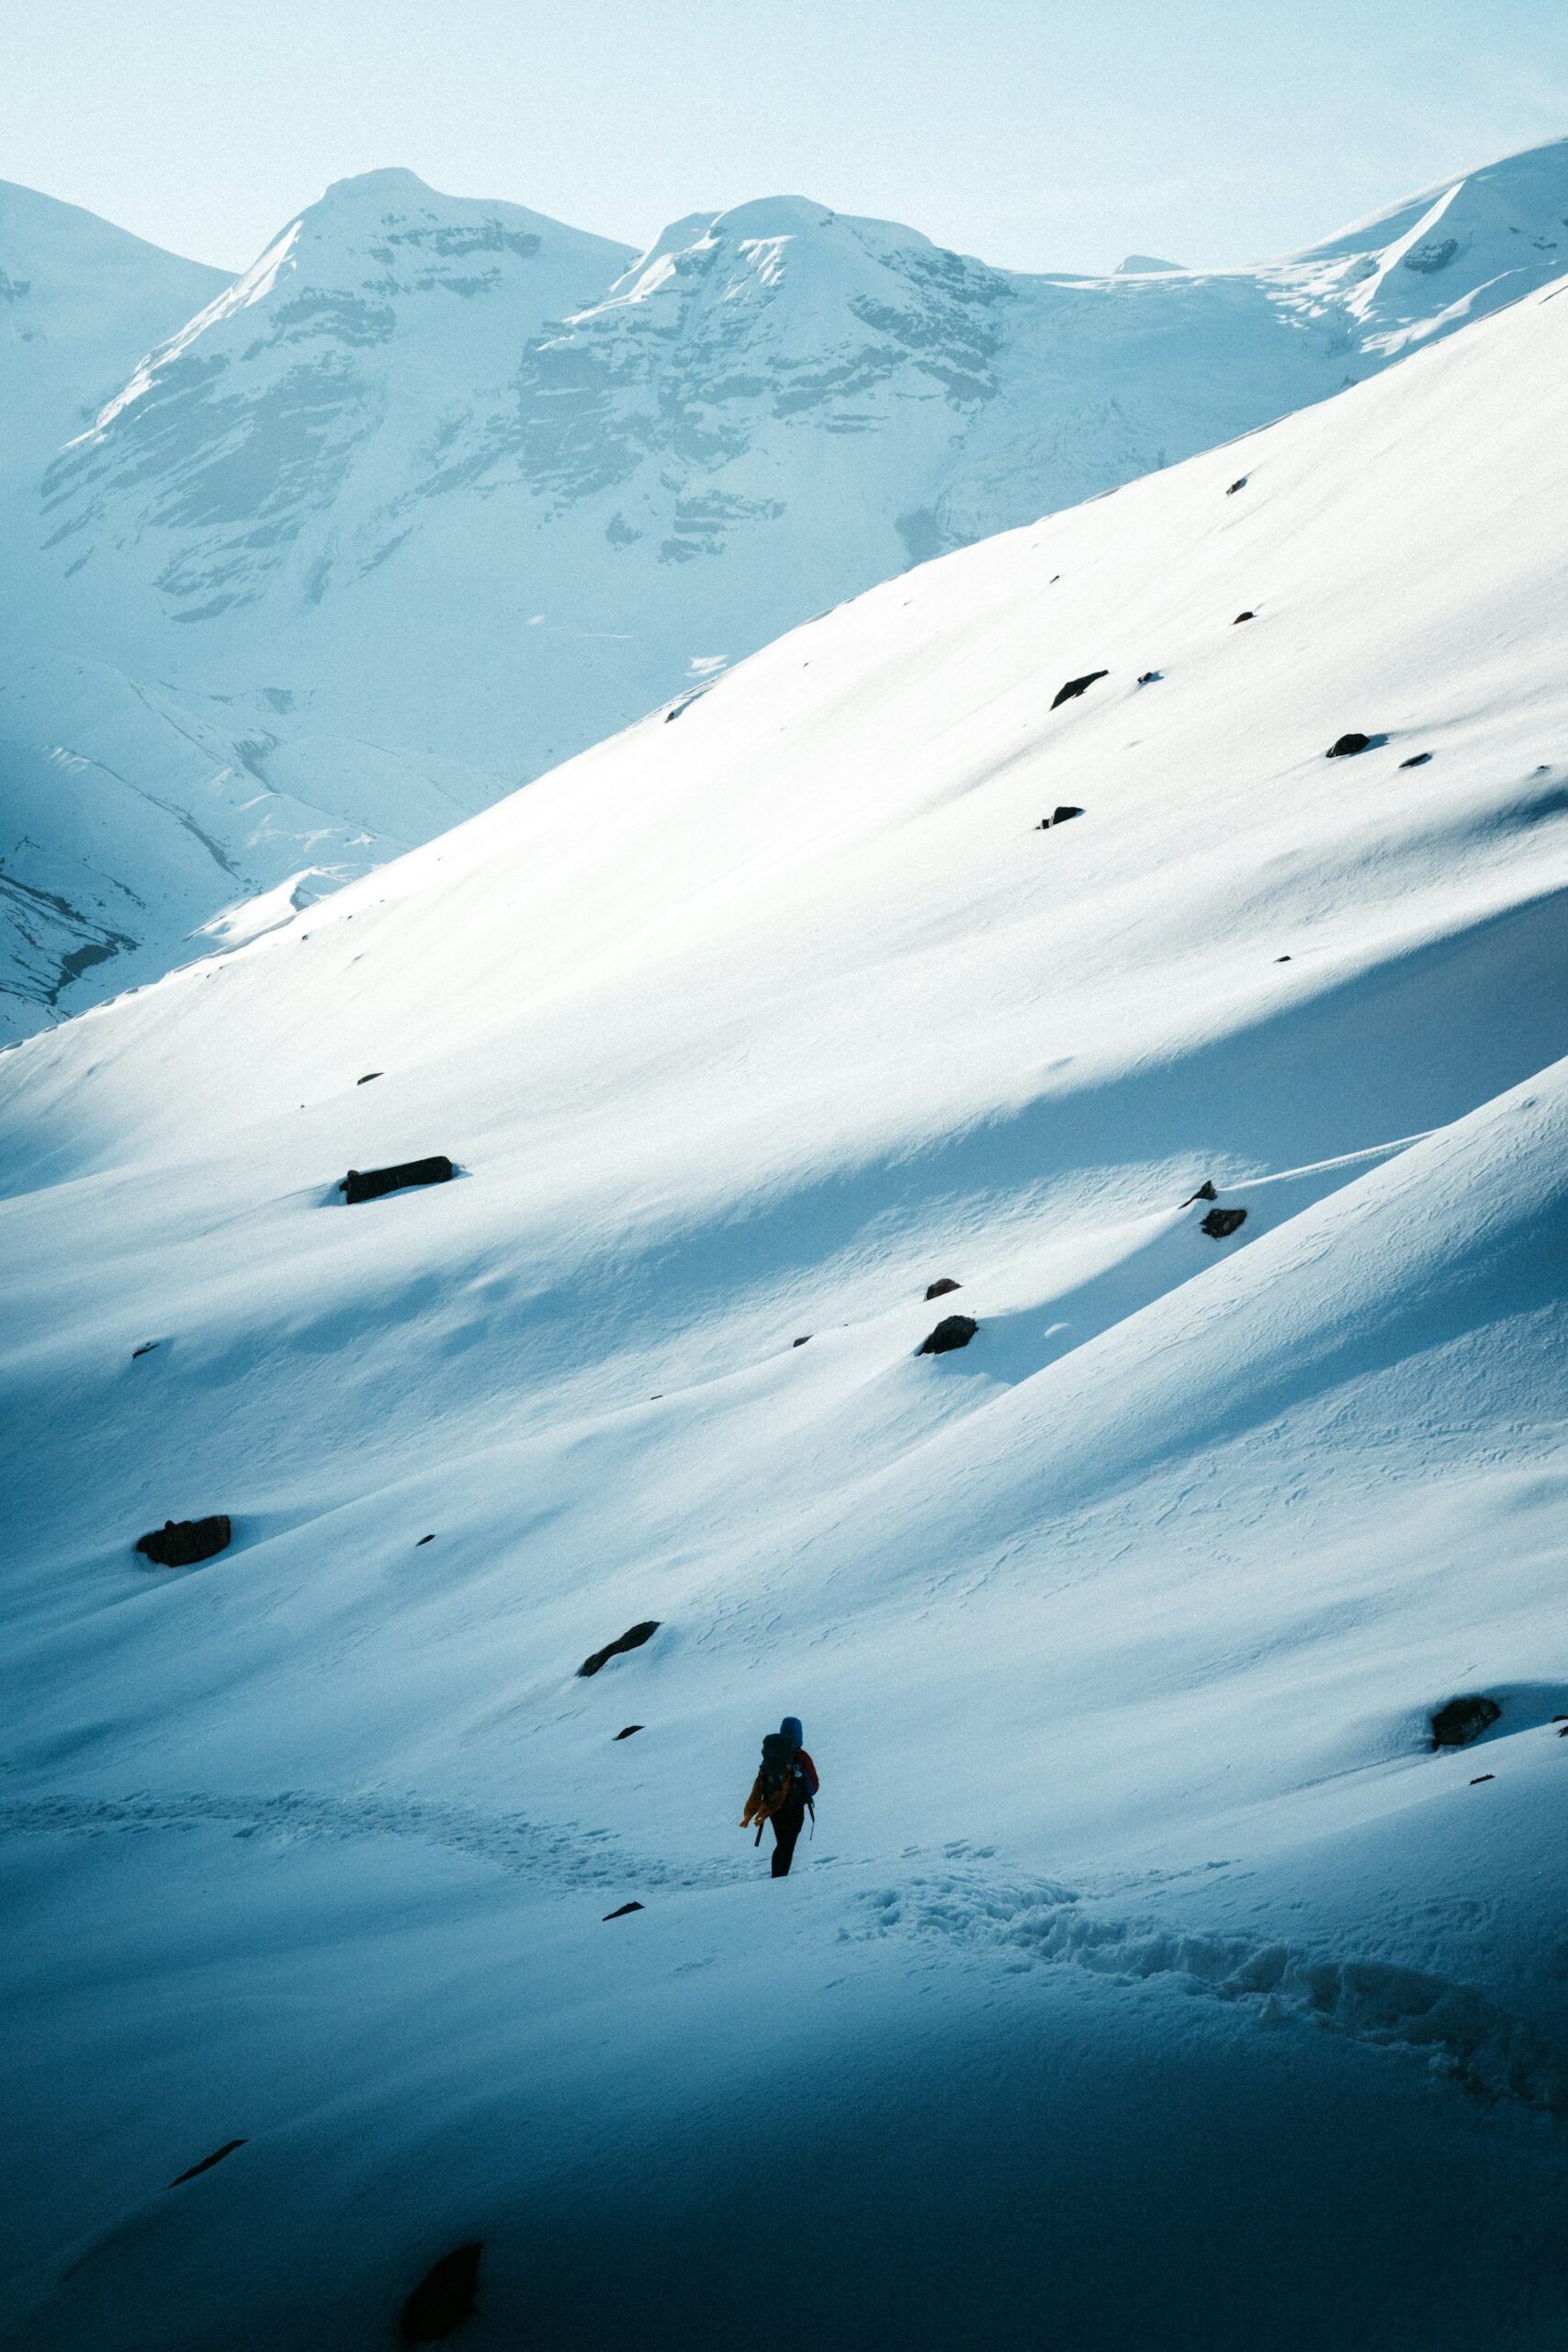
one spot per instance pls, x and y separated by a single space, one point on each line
1484 2049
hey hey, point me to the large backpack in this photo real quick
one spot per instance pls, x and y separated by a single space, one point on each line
779 1753
774 1776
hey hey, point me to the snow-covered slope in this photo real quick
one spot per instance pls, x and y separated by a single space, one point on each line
1148 1970
80 302
445 490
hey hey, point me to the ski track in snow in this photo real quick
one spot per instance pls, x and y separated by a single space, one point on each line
1022 1922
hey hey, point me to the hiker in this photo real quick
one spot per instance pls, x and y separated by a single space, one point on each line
785 1785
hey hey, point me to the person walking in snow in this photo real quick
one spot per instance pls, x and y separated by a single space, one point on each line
786 1784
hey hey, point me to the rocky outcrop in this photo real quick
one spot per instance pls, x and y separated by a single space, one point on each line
940 1289
1220 1224
1459 1720
1075 687
182 1543
633 1639
952 1331
371 1183
1345 747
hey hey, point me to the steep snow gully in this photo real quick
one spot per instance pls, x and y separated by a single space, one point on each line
1151 1976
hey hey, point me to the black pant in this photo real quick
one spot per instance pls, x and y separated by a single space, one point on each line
788 1823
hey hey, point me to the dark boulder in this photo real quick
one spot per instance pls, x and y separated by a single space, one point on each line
1480 1777
1075 687
1461 1721
1205 1192
371 1184
952 1331
631 1640
1239 483
1220 1224
207 2163
801 1341
626 1730
443 2298
181 1543
1418 760
1058 816
940 1289
625 1909
1248 616
367 1077
1345 747
425 1539
144 1349
1151 677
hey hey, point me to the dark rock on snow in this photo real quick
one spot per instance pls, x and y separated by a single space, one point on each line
181 1543
1239 483
207 2163
1205 1192
801 1341
1345 747
371 1184
1458 1721
367 1077
1281 960
952 1331
1248 616
626 1730
622 1912
425 1539
1221 1223
1151 677
1075 687
940 1289
1480 1777
443 2298
1419 760
144 1349
631 1640
1058 816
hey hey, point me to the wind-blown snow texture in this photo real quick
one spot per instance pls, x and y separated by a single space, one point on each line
441 492
1149 1978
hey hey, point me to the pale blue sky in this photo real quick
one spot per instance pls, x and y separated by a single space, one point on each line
1038 133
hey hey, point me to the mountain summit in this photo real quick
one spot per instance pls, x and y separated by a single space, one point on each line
440 491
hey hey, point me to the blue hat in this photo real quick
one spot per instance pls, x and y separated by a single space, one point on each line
791 1729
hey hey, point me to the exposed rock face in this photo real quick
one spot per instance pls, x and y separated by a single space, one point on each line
1075 687
626 1730
181 1543
443 2298
1345 747
940 1289
1059 816
371 1184
623 1911
1205 1192
633 1639
952 1331
1221 1223
1461 1721
1419 760
1239 483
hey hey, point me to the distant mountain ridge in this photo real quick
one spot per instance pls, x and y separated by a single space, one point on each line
440 491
